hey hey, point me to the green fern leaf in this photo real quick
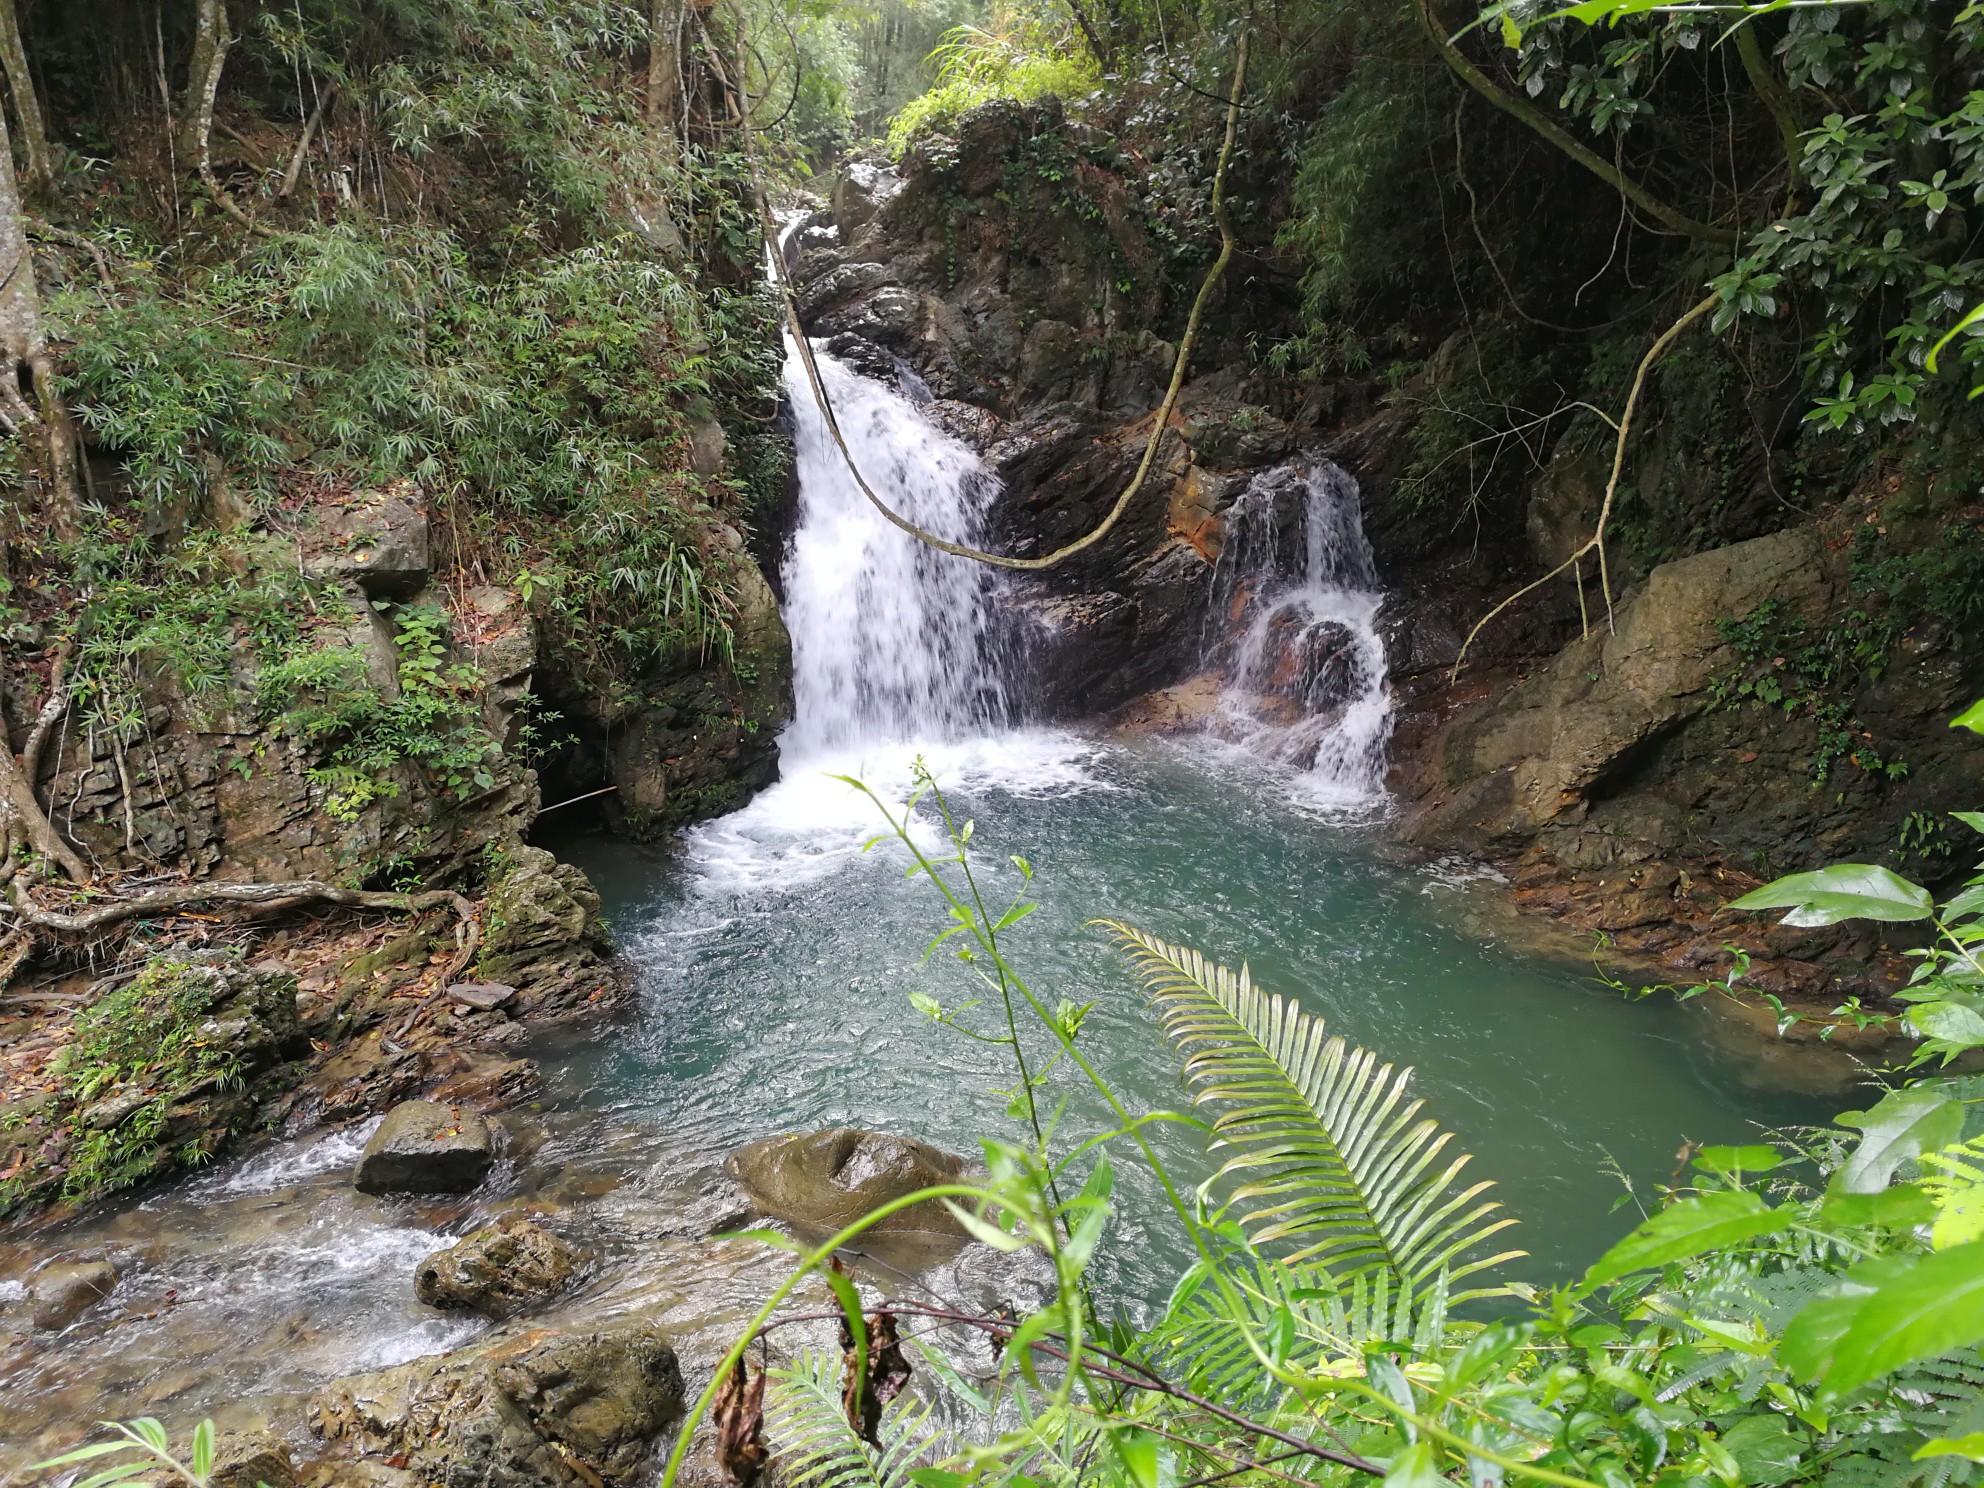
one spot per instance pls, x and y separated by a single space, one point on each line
1327 1152
815 1447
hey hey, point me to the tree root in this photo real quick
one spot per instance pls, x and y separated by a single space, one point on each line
21 816
1596 542
1162 419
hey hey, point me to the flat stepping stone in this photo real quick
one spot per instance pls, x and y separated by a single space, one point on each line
426 1147
483 996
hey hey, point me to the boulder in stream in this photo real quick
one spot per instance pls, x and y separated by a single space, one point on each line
532 1410
426 1147
499 1270
825 1180
64 1290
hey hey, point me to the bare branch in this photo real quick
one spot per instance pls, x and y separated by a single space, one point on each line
1596 542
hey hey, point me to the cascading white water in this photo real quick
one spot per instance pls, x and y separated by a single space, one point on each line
891 639
1305 678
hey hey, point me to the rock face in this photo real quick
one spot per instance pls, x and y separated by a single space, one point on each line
533 1410
1625 797
64 1291
138 1127
252 1459
998 289
827 1179
1541 759
542 936
695 739
426 1147
498 1271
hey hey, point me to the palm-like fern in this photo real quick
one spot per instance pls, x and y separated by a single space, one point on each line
815 1447
1329 1152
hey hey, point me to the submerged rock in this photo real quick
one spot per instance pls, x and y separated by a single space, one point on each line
565 1410
825 1180
65 1290
426 1147
498 1271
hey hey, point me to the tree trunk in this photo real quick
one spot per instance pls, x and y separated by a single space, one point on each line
211 39
27 106
31 408
665 73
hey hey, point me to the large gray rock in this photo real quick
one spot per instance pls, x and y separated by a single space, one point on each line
65 1290
1548 750
385 546
533 1410
825 1180
498 1271
426 1147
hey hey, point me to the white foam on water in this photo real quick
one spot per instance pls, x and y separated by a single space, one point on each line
812 824
287 1164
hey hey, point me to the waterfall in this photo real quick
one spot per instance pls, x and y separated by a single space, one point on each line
1304 664
891 639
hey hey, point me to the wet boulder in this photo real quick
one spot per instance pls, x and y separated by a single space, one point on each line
825 1180
426 1147
533 1410
64 1290
498 1271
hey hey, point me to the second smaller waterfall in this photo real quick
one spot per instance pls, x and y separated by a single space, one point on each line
1299 598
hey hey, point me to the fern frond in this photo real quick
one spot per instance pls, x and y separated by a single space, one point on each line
1333 1326
1328 1152
815 1447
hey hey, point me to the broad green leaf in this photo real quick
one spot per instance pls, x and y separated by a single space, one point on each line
1971 1446
1756 1158
984 1230
1972 819
1415 1467
117 1474
202 1456
1765 1448
1136 1449
1952 1022
1689 1228
1903 1126
1889 1314
82 1454
1972 717
1901 1206
936 1477
857 1326
1845 891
